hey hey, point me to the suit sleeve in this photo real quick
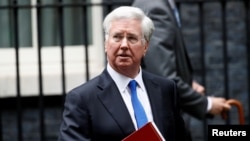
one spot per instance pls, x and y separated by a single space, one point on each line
74 123
161 57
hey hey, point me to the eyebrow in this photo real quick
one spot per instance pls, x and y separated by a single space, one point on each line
129 34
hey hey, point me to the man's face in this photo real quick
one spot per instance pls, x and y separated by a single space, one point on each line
124 45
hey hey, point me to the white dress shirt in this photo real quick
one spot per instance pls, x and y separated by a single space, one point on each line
122 82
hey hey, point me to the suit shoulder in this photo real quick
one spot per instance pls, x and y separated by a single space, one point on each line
150 6
158 78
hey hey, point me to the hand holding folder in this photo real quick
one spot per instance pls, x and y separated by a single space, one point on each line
148 132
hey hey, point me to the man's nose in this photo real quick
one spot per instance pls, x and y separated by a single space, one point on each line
124 42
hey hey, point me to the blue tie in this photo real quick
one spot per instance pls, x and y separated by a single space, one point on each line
140 115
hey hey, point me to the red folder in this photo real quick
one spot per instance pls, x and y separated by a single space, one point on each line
148 132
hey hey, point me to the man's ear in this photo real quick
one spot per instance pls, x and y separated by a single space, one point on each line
146 47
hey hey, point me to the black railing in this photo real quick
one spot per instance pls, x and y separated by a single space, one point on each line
42 102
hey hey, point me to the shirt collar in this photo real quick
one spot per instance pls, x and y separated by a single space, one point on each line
122 80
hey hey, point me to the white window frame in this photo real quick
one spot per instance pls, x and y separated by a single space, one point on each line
51 62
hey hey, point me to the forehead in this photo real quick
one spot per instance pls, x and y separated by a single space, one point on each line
131 26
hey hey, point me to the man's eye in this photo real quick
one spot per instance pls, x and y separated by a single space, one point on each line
117 37
132 39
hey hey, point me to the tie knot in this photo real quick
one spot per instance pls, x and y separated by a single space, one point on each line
132 84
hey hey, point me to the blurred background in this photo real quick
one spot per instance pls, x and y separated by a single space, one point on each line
47 47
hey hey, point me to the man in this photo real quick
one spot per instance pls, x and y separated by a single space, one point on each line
102 109
167 56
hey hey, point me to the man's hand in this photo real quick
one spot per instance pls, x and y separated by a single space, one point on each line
218 105
197 87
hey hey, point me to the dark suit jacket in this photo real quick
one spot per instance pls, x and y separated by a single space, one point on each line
96 111
167 55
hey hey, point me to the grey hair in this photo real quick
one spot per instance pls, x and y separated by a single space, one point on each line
129 12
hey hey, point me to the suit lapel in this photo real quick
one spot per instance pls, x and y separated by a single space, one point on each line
114 104
154 93
171 12
173 18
